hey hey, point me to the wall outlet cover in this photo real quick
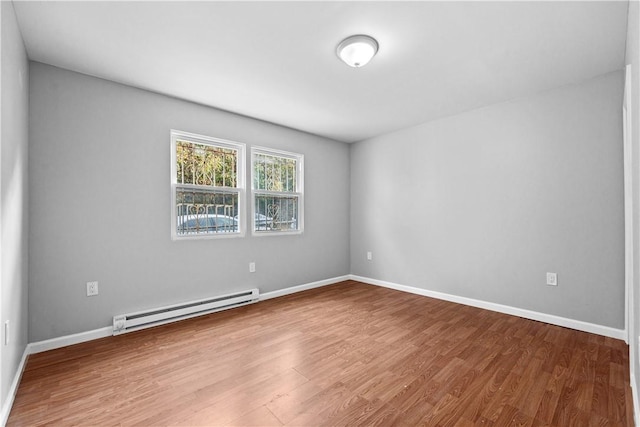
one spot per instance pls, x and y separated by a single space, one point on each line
552 279
92 289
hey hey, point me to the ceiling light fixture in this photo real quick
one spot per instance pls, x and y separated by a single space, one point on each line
357 50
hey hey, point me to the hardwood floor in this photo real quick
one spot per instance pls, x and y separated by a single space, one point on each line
346 354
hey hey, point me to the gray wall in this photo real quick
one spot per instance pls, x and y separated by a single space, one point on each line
100 206
633 58
484 203
13 194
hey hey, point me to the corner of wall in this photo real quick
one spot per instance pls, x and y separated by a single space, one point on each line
14 112
632 57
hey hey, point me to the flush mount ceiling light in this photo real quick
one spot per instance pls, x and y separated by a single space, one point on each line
358 50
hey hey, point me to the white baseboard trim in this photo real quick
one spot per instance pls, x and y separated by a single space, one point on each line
8 403
527 314
53 343
636 404
300 288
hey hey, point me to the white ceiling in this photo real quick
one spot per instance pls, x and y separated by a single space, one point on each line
276 60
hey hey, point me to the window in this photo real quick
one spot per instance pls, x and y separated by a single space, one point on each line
277 191
207 180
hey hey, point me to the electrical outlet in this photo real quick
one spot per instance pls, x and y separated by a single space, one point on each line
92 289
369 256
552 279
252 267
6 332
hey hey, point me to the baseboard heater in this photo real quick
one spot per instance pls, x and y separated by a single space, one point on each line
159 316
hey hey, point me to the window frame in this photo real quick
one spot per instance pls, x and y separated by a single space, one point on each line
299 158
239 189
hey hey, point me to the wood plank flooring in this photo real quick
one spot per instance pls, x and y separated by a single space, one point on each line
345 354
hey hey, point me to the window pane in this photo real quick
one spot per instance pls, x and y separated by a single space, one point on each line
206 212
274 173
202 164
276 213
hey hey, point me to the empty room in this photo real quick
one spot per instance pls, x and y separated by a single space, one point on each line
327 213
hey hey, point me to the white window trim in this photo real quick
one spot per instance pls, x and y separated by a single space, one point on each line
299 185
240 179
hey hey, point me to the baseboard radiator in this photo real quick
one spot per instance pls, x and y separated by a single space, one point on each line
159 316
